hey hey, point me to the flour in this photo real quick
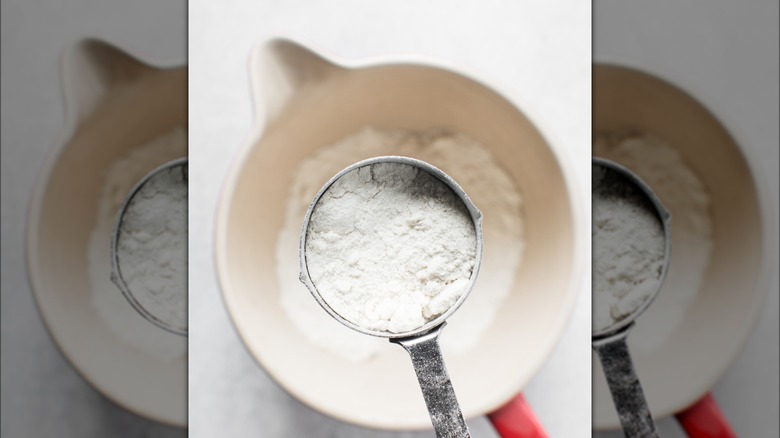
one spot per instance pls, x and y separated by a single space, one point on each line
110 305
390 247
682 192
152 247
476 171
628 249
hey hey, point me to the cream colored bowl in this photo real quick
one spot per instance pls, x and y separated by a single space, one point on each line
681 370
309 103
114 103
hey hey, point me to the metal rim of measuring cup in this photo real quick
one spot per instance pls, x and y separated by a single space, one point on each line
476 217
666 221
116 271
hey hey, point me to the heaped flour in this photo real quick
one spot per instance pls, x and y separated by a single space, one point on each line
469 163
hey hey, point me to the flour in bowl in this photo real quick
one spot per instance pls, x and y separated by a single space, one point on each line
474 168
683 193
390 247
111 306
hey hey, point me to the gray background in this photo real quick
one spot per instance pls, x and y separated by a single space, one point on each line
724 53
42 396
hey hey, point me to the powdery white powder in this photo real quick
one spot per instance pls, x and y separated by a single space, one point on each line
390 247
628 249
475 170
152 247
682 192
111 306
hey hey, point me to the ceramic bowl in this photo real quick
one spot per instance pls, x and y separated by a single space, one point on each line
306 102
679 371
114 103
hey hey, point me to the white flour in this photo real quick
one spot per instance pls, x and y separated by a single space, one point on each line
111 306
390 247
466 161
687 199
628 250
152 247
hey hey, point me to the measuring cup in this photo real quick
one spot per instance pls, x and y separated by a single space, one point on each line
421 343
610 342
150 314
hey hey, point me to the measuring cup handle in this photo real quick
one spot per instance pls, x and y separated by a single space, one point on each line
516 420
635 417
704 419
435 383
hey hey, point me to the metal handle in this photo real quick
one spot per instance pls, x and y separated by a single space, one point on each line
635 417
435 383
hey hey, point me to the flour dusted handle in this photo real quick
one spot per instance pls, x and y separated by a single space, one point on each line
704 419
516 420
635 417
435 383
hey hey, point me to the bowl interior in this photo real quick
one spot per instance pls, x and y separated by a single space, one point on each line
134 110
383 391
678 372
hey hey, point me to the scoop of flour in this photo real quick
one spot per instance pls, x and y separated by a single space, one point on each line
628 249
152 247
469 163
390 247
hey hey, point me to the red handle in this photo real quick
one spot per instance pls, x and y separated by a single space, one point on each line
704 419
517 420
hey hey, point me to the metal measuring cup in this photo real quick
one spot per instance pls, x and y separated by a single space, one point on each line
610 342
422 343
178 165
